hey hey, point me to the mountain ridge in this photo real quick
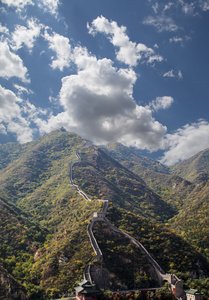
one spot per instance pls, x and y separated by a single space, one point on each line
38 184
195 168
96 163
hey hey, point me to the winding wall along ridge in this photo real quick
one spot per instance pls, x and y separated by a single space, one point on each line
100 216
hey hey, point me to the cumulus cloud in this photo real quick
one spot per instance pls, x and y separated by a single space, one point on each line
129 52
16 115
161 103
11 65
23 132
7 100
62 48
11 119
161 23
26 35
98 104
186 141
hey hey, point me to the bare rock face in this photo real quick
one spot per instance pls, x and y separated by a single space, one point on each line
10 289
39 253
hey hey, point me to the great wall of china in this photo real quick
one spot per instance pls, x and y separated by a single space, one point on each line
175 283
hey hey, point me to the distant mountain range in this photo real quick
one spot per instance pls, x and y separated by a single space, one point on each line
44 246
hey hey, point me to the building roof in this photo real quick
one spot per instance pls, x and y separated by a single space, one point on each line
86 283
82 290
193 292
85 287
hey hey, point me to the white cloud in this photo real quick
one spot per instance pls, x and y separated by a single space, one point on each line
8 100
186 141
46 5
168 6
98 104
188 8
180 75
176 40
161 23
62 48
31 111
10 116
22 90
53 123
154 58
26 35
23 132
3 129
155 7
19 5
161 103
169 74
204 5
193 7
4 29
49 5
11 65
16 115
129 52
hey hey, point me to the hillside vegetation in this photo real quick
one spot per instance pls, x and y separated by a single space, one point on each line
132 160
102 177
183 186
37 179
44 245
194 169
9 287
42 206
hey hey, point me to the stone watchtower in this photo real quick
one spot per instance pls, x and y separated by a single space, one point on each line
86 291
194 295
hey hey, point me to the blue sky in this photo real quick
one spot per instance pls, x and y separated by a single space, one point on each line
134 72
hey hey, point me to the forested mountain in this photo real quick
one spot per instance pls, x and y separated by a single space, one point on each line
44 245
173 253
184 186
132 160
194 169
100 176
40 209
